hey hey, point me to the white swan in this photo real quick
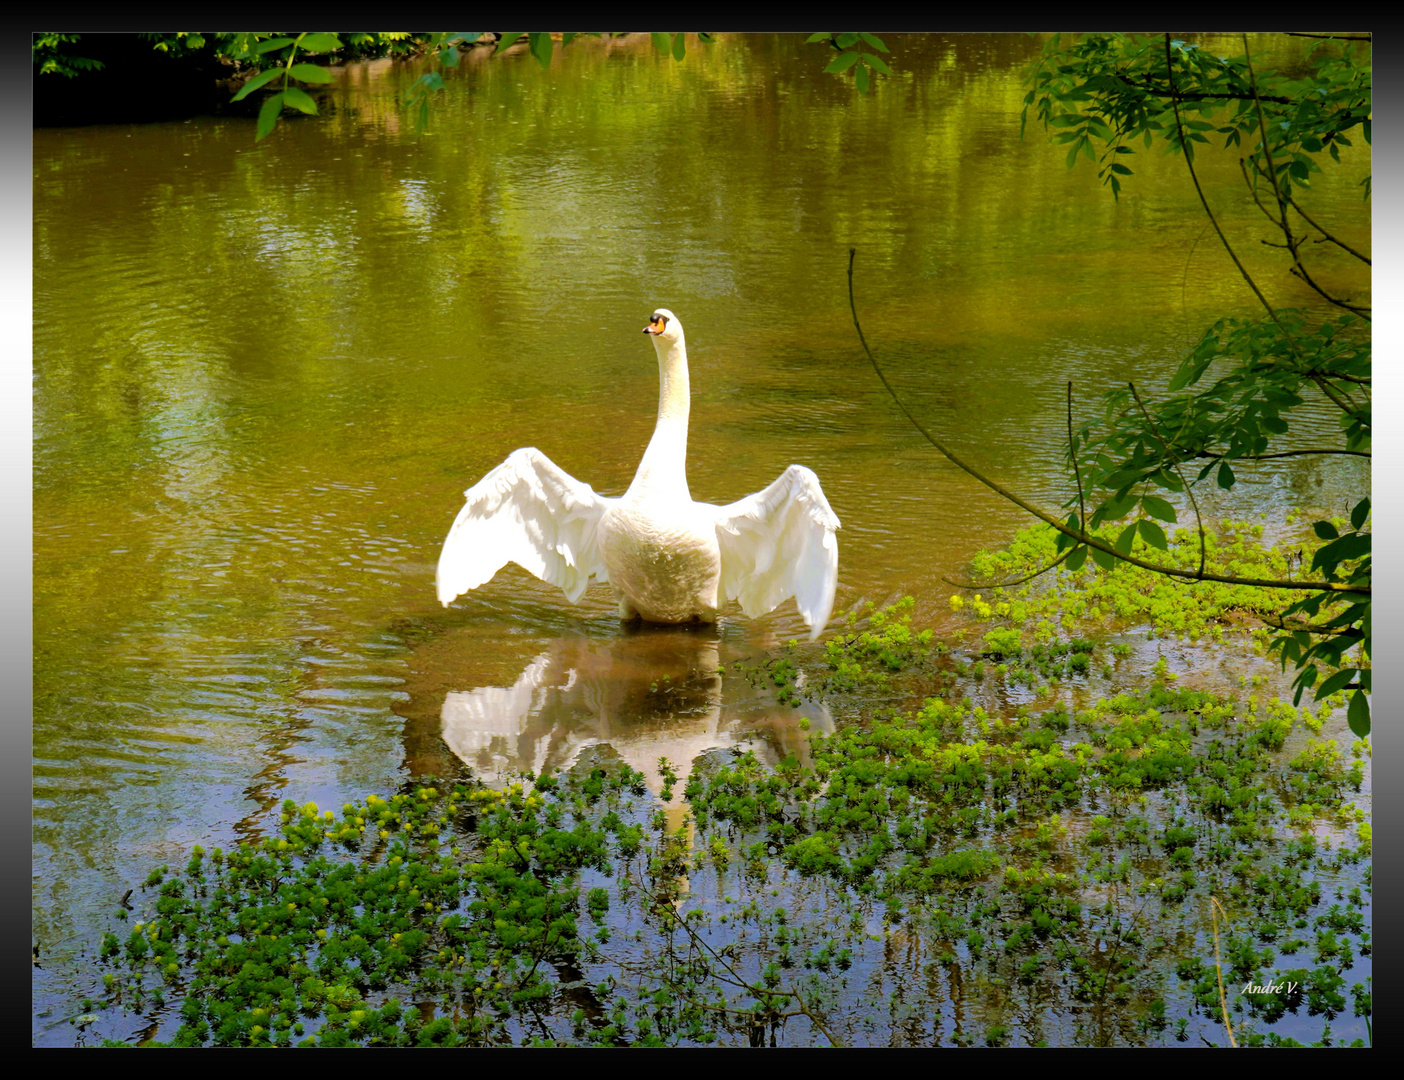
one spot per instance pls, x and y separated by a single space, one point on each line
670 560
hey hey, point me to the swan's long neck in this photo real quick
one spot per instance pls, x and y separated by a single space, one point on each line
663 469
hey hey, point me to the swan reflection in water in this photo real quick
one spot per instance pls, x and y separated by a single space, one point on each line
652 692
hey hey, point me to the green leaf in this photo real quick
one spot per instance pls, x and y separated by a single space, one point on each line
1325 530
1225 477
662 42
679 46
449 56
540 46
320 43
861 78
1360 513
1350 546
842 62
1335 682
877 64
310 73
298 99
1358 715
263 78
875 42
1064 540
1153 534
1126 539
846 41
1158 507
818 37
268 114
1103 559
505 41
1077 558
272 44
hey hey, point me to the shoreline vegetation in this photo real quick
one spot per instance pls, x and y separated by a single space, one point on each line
1088 817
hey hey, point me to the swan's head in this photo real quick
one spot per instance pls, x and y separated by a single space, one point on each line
664 327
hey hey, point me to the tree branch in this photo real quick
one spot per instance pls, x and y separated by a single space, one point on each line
1344 404
1044 515
1145 82
1219 967
1282 454
1339 243
1009 584
1175 465
1077 472
1297 627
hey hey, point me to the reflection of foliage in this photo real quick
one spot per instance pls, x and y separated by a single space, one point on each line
254 52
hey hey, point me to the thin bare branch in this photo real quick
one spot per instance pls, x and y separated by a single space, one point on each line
1253 191
1297 627
1359 380
1188 489
1284 453
1009 584
1342 403
1330 37
1299 269
1219 967
1044 515
1145 82
1077 472
1326 235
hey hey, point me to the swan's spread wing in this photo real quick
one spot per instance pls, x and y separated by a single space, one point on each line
780 543
530 512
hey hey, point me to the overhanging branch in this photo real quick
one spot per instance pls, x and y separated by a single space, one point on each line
1043 515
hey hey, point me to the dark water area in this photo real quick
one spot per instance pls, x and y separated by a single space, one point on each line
264 373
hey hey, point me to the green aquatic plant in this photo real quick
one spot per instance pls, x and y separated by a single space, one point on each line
1058 845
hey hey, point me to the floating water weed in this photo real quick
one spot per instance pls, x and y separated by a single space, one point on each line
1064 853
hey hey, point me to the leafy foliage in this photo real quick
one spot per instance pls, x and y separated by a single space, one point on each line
50 55
1234 396
853 57
1118 90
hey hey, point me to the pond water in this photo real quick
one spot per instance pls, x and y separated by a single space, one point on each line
265 372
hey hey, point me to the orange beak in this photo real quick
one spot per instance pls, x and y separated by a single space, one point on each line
655 326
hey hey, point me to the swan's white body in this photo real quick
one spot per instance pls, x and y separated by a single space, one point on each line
670 559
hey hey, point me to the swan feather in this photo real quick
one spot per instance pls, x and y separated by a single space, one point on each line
531 512
780 543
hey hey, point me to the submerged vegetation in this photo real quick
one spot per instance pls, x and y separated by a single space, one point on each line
1163 863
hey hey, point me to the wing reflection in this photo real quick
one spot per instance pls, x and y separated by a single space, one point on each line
656 692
